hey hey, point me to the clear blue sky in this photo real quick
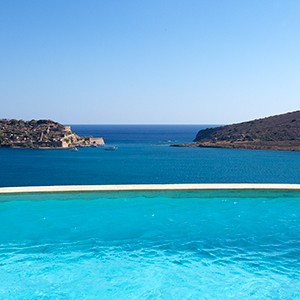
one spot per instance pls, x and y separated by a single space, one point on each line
155 61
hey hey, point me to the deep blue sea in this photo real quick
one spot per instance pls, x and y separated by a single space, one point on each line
144 156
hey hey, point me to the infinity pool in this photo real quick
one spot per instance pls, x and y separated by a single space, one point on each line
150 245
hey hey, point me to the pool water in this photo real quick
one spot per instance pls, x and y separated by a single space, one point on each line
150 245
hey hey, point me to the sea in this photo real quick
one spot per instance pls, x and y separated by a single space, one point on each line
144 156
238 244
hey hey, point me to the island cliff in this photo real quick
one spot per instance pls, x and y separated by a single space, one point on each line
280 132
41 134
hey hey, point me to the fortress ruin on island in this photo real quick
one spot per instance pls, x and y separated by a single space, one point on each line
40 134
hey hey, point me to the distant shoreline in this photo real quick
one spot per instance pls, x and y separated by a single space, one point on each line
232 147
280 132
52 148
147 187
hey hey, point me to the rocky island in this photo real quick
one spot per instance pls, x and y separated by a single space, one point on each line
41 134
280 132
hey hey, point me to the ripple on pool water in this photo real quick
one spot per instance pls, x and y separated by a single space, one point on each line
141 247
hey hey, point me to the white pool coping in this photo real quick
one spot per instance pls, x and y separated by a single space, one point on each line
147 187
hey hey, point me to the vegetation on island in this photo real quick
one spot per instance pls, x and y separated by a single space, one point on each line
41 134
280 132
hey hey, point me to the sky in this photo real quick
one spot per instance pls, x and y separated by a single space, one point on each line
149 62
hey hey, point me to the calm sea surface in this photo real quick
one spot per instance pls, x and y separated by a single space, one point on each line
144 156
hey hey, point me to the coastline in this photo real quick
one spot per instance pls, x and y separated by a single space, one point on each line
147 187
53 148
239 146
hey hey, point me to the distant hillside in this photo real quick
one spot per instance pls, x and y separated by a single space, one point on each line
41 134
280 132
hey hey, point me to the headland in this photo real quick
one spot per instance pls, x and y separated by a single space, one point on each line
280 132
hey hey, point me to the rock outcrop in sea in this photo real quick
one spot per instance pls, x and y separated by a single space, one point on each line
41 134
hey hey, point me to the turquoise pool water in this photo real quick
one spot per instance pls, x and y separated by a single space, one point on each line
150 245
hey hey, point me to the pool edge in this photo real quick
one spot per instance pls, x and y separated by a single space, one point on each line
147 187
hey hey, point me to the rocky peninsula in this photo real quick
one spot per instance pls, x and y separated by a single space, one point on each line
280 132
41 134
